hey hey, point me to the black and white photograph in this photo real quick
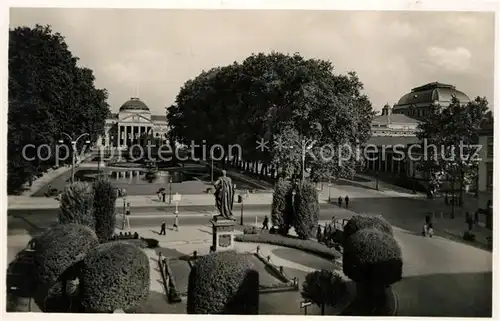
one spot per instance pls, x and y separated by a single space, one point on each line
250 161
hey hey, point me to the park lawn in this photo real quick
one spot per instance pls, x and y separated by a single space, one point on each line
291 242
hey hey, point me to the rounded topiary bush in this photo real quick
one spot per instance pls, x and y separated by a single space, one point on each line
104 208
360 222
306 210
223 283
76 205
280 208
372 257
60 248
114 276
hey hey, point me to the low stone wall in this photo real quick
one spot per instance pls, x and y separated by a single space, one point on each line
289 283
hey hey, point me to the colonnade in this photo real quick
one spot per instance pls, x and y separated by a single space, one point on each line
124 175
128 135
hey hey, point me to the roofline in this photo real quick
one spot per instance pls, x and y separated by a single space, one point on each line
432 85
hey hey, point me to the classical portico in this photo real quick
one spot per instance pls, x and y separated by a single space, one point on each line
133 125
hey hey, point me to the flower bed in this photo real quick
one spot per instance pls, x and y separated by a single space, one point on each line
292 242
135 239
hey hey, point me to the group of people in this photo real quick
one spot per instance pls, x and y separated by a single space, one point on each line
327 234
163 227
161 193
346 199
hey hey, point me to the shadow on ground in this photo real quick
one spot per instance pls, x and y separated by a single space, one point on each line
409 214
305 259
445 295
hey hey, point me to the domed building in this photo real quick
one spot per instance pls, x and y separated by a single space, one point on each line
394 131
416 104
133 124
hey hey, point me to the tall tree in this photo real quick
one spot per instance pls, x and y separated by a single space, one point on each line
265 97
454 131
48 94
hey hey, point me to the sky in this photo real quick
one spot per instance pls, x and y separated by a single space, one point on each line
151 53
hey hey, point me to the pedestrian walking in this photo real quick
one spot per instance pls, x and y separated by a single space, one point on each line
163 194
158 193
163 229
476 217
176 223
340 201
347 201
469 221
428 226
265 223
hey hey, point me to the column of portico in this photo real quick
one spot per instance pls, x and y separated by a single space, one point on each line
133 133
119 144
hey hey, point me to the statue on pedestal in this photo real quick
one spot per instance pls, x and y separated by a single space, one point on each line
224 197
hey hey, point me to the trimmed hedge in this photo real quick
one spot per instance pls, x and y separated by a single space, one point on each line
104 208
372 257
250 230
324 288
292 242
223 283
281 209
306 216
60 248
360 222
114 276
76 205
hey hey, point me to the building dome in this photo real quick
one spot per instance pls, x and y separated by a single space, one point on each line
431 93
134 104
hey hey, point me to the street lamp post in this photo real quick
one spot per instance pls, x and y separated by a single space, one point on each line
169 189
306 144
124 196
74 143
212 166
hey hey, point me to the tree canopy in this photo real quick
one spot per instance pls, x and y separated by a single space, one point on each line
453 129
48 94
272 97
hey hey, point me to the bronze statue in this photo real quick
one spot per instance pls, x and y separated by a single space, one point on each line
224 196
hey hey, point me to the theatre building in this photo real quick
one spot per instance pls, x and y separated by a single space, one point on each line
394 131
133 124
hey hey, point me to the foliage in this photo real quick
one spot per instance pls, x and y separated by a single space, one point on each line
114 276
469 236
359 222
48 94
372 257
270 97
104 208
223 283
60 248
76 205
292 242
306 215
281 208
323 287
453 129
250 230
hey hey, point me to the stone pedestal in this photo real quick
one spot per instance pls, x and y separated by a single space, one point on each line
222 234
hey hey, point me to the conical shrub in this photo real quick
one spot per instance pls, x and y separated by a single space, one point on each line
76 205
306 205
104 208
